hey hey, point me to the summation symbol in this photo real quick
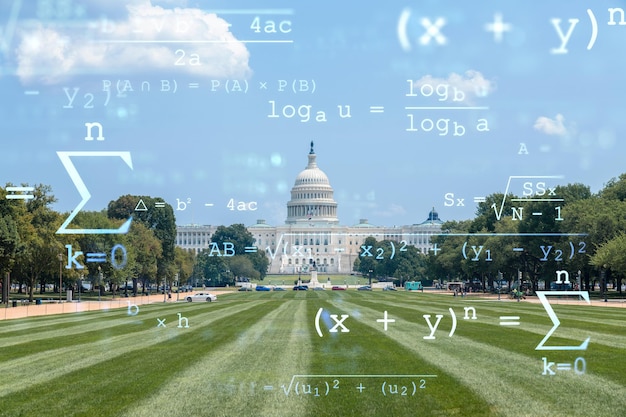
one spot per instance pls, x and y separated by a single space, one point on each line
542 295
66 160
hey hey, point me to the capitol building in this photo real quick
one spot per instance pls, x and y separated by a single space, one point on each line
312 235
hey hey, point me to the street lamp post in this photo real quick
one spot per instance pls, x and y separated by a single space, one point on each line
60 256
99 282
603 283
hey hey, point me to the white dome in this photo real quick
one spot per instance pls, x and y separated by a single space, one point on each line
312 196
312 175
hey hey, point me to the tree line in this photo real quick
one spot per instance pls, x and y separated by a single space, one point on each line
577 231
33 255
574 230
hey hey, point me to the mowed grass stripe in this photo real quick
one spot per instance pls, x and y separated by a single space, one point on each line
140 333
105 324
230 381
112 386
606 346
358 362
533 318
510 381
30 325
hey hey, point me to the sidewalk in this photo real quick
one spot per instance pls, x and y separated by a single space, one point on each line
54 307
572 299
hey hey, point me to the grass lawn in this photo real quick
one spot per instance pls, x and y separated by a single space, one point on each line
259 354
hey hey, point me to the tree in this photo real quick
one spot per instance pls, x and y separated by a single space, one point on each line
9 241
601 219
614 189
367 264
100 243
242 267
160 220
38 255
145 251
447 264
612 255
238 236
184 264
212 269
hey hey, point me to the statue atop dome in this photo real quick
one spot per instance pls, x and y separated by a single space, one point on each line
312 151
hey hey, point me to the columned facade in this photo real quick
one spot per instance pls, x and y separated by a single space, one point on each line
311 235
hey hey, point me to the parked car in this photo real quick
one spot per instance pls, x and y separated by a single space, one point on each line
201 296
279 289
245 289
389 288
262 288
338 288
365 288
300 288
319 289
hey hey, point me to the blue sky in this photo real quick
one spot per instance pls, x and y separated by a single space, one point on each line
207 147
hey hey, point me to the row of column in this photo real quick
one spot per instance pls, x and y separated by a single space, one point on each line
302 211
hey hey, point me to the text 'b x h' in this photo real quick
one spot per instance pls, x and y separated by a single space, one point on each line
181 320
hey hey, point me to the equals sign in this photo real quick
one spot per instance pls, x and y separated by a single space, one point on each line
159 204
96 257
268 387
509 320
518 249
250 249
20 196
563 366
377 109
480 199
194 85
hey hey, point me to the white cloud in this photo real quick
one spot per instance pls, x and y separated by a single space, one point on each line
554 126
51 55
470 85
